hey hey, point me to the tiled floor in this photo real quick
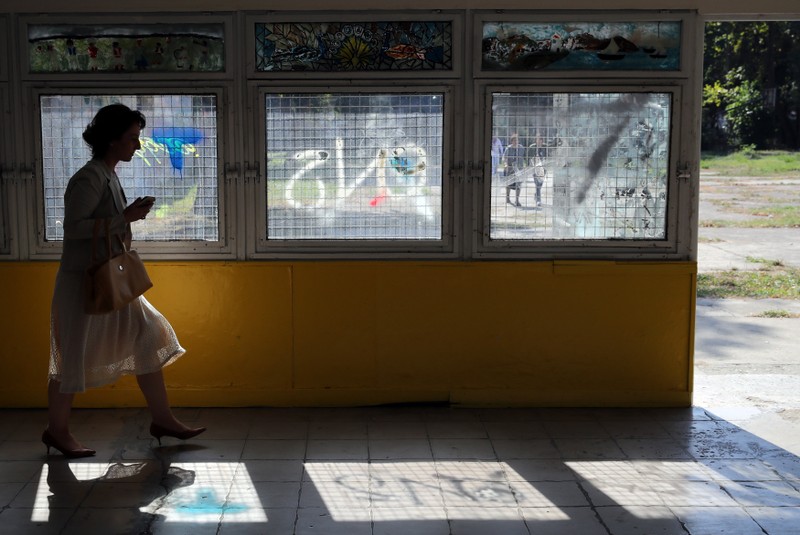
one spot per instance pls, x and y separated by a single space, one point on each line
402 470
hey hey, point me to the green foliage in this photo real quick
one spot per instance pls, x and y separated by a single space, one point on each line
749 152
715 95
744 108
751 91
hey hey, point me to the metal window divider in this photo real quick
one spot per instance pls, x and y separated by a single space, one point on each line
7 174
456 171
683 171
475 170
25 174
231 173
16 175
251 172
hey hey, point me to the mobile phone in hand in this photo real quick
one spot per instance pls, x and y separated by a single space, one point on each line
147 200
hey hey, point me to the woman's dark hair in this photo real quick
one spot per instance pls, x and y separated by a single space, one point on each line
108 125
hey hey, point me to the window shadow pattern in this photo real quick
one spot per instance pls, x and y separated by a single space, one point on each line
403 470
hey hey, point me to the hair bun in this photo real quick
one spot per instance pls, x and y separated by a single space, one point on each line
90 134
108 125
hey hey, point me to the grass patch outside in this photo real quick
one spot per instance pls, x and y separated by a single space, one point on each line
776 313
770 282
783 216
768 263
786 216
764 163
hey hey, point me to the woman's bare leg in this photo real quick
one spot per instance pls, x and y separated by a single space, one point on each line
155 393
59 407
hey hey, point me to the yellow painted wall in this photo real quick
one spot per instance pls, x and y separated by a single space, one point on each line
581 333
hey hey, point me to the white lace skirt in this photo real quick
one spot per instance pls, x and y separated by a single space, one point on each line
89 350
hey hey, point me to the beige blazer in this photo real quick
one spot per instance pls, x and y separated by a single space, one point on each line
94 192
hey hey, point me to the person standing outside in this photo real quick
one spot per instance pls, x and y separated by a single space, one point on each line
91 350
537 153
497 154
514 162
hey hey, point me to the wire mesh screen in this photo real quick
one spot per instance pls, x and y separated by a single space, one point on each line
354 166
579 166
177 163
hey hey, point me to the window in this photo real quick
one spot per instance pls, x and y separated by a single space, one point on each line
364 137
579 166
178 161
354 166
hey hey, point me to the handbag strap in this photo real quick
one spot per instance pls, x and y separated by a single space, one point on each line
96 231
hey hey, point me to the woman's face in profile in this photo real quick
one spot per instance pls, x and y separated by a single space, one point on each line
126 146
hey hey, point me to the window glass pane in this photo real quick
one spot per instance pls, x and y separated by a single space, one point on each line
177 163
354 166
579 166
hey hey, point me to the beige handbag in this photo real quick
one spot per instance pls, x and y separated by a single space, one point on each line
112 284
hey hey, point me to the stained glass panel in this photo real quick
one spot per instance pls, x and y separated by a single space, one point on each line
354 46
604 46
137 48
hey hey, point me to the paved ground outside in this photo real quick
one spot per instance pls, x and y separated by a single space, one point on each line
747 368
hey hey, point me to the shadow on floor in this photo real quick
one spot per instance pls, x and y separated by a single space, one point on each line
421 470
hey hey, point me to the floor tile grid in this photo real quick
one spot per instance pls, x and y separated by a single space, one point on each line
695 433
722 499
378 487
445 481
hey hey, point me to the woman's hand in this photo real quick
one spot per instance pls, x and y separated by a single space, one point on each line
138 209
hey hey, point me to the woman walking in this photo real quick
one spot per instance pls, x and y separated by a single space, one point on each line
91 350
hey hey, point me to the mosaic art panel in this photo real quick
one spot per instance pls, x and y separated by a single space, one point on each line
602 46
354 46
124 49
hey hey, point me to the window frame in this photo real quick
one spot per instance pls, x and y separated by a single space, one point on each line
6 169
7 178
260 247
672 247
241 134
223 248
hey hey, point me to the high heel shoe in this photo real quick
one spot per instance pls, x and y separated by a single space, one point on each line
51 442
158 431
